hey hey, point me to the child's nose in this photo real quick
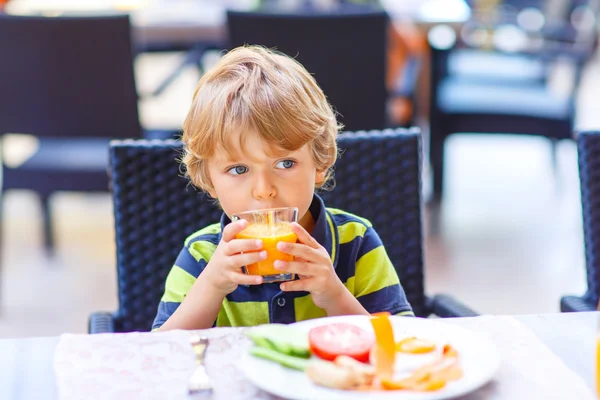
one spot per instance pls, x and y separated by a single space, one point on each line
264 189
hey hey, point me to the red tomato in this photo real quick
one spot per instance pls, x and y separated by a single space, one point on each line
330 341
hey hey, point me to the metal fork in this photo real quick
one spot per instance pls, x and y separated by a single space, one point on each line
199 382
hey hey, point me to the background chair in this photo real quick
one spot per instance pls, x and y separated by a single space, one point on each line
344 49
70 83
377 176
461 105
548 23
588 146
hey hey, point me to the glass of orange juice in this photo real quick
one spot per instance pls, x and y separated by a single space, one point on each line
271 226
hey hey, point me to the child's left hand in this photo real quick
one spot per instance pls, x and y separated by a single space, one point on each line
313 265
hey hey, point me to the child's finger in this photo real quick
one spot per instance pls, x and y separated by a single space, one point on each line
239 260
300 250
233 229
295 267
303 236
299 285
237 246
243 279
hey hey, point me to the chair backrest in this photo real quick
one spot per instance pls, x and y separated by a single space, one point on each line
377 177
345 51
588 144
67 77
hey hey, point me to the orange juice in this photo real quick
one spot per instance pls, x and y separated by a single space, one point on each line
270 235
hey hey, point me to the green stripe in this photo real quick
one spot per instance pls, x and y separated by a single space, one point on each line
350 231
305 309
374 271
406 313
336 211
178 285
350 285
202 250
209 230
247 313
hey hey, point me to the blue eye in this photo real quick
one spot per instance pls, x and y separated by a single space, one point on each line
237 170
286 164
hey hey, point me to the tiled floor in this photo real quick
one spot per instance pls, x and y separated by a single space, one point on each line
507 240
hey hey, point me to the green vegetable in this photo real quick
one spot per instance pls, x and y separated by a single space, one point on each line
297 363
281 338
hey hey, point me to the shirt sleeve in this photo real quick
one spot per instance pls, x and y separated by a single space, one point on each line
377 286
182 276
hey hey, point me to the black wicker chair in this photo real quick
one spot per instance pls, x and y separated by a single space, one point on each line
344 48
513 95
68 81
588 144
377 176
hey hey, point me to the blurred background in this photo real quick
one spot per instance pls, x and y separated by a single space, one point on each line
497 87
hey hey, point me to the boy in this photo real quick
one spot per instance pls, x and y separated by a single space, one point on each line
260 134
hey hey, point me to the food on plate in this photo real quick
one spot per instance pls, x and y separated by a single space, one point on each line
339 339
344 373
432 376
286 360
358 367
415 345
281 338
347 357
385 347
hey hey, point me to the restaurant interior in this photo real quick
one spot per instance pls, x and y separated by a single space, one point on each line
489 211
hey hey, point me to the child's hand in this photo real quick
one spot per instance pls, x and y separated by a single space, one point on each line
313 264
224 269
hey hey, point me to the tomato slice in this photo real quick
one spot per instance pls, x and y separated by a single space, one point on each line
340 339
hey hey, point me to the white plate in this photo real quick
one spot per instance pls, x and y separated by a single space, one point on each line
479 359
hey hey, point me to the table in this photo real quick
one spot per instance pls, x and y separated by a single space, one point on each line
178 23
26 365
184 23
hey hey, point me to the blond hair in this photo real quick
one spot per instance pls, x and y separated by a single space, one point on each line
252 87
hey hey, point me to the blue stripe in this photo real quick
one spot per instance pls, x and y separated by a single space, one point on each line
165 310
320 231
263 292
209 237
370 241
189 264
347 259
391 299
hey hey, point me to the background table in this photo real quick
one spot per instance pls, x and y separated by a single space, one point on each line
184 23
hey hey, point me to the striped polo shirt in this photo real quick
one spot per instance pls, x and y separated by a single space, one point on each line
357 255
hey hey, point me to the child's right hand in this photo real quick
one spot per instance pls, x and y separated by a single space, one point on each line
224 270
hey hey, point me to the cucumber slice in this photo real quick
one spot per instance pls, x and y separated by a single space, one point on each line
292 362
281 338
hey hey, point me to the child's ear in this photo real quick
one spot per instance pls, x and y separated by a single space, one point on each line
212 193
320 176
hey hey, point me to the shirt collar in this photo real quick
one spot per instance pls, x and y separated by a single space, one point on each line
325 230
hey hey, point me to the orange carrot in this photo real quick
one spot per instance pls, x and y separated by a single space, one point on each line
415 345
433 376
385 347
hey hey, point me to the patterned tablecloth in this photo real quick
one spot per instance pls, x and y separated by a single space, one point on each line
157 365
